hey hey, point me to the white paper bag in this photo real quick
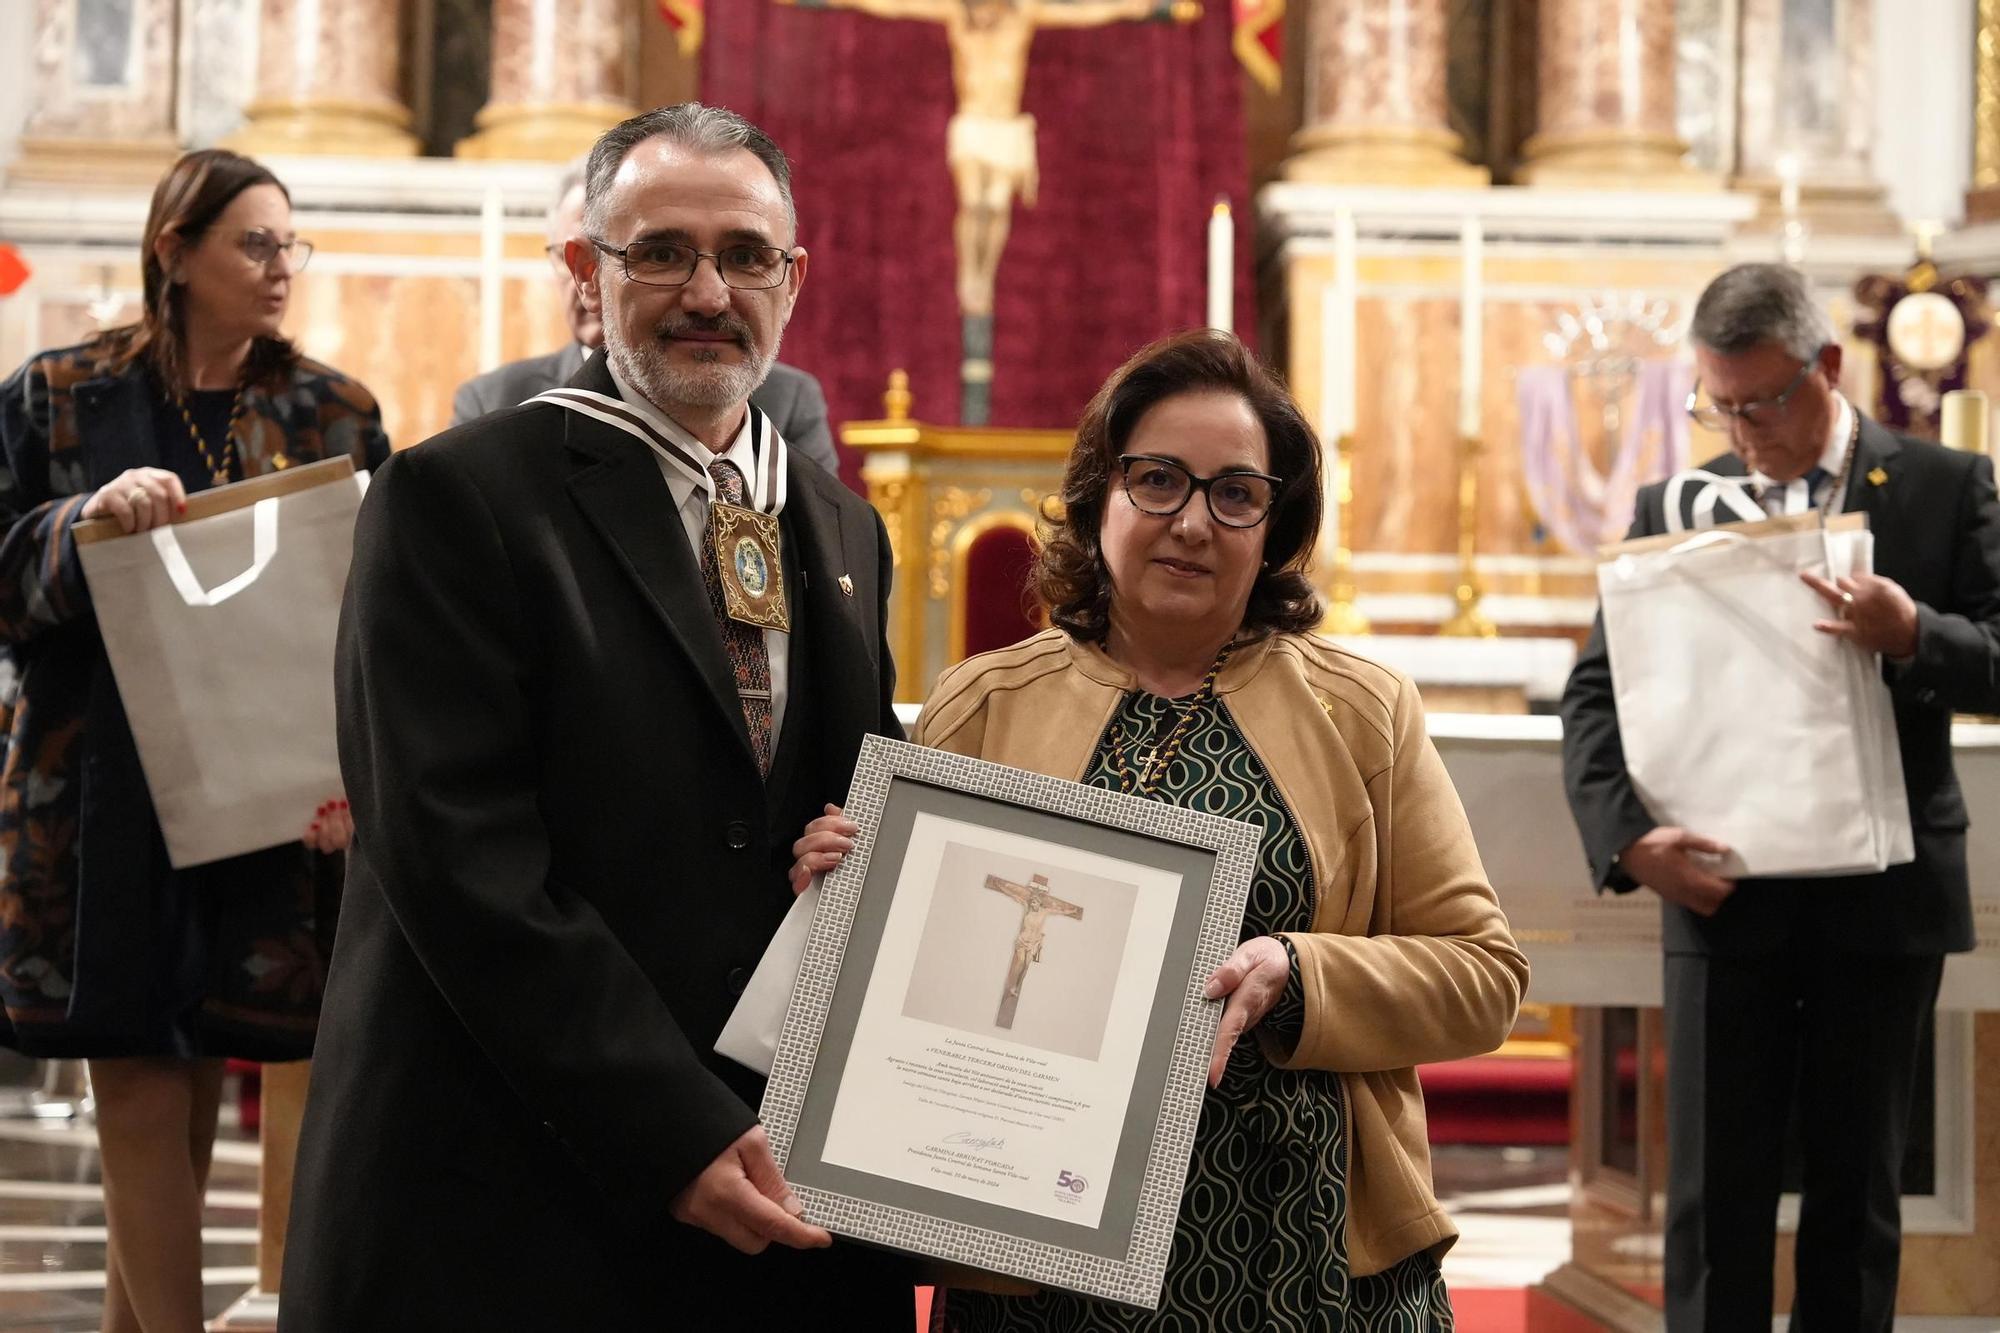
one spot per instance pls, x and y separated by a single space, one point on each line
220 631
750 1037
1740 721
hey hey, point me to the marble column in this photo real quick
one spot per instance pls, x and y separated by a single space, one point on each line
1376 103
329 80
1605 105
1982 202
104 92
563 73
1807 92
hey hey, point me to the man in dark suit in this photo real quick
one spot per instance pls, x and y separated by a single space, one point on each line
1816 991
791 398
577 782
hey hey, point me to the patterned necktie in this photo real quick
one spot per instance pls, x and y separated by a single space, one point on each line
1773 496
744 643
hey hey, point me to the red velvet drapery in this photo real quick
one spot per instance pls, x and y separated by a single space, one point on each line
1140 130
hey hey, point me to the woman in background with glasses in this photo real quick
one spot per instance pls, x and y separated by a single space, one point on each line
154 975
1183 668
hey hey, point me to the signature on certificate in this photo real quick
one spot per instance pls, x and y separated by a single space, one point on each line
965 1138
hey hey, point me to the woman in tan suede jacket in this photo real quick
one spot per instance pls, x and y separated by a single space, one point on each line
1182 669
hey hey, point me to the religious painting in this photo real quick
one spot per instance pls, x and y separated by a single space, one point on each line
994 922
997 1046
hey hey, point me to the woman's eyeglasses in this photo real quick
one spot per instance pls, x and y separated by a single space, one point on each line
1161 487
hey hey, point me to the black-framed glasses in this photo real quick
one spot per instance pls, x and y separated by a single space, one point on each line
671 264
261 247
1764 412
1162 487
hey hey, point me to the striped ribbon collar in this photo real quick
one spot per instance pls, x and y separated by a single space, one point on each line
765 486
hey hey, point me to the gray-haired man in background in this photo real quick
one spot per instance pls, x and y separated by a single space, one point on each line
791 398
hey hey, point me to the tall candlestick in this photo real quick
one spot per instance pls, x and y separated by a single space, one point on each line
1788 186
1471 326
1339 377
1221 267
1342 413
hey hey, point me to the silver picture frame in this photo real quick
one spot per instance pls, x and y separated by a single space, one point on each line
1121 1254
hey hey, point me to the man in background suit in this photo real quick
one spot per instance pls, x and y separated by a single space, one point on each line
577 778
1814 990
791 398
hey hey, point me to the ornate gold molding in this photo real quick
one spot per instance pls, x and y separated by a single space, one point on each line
952 506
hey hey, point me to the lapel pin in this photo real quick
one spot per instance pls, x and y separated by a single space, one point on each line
1877 477
846 585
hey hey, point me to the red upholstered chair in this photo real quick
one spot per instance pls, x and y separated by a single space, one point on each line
991 604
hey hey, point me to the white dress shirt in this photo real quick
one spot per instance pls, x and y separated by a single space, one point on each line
691 503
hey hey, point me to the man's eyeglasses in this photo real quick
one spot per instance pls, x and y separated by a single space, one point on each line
261 247
670 264
1160 486
1764 412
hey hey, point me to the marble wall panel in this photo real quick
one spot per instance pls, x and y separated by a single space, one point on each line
1705 82
103 69
218 67
1807 86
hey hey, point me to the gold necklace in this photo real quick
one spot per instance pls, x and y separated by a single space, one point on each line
1158 758
218 472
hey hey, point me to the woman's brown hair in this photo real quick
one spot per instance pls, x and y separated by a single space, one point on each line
186 203
1070 575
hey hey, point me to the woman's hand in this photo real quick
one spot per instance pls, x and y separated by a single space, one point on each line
332 828
1253 978
139 498
827 840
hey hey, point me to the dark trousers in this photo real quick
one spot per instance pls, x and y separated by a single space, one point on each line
1744 1036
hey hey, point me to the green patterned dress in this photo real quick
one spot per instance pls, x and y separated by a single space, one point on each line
1261 1246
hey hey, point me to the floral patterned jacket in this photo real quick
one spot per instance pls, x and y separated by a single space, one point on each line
73 803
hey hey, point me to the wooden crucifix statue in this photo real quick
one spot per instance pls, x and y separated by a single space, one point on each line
990 144
1037 906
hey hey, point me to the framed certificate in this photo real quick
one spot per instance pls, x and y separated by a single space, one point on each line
997 1047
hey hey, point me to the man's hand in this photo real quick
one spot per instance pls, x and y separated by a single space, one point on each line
827 840
741 1197
1869 610
1663 860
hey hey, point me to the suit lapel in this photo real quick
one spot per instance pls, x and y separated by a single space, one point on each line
826 554
620 490
1875 453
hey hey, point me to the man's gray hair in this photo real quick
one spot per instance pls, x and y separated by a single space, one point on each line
571 178
704 129
1753 304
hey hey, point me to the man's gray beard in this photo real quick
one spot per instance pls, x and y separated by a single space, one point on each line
715 385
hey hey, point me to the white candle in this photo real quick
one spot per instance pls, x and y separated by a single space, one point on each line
1341 412
1788 186
1471 326
1221 267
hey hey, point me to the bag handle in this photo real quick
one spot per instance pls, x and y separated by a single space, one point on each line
1716 487
264 548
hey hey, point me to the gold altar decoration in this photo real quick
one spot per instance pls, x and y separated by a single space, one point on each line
1982 203
1343 616
940 489
1468 621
